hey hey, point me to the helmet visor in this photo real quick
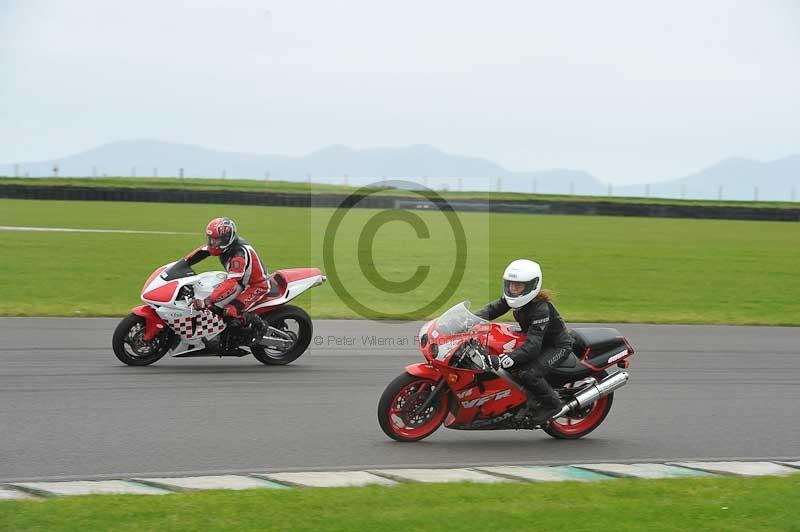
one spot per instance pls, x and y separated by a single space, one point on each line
218 242
519 288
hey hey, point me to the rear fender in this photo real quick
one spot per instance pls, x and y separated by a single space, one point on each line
153 324
425 371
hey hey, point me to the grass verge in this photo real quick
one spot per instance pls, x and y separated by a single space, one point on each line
253 185
604 269
725 504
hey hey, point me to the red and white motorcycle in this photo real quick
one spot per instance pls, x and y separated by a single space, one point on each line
167 323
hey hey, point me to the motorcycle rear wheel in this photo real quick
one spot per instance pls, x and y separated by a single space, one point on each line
130 332
397 405
278 318
572 428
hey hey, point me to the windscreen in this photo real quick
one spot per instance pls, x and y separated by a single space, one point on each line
177 271
458 320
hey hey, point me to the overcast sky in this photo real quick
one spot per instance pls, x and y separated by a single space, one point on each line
630 91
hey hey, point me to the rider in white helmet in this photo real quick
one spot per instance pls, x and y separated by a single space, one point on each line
548 341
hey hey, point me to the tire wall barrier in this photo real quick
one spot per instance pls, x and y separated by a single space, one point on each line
282 199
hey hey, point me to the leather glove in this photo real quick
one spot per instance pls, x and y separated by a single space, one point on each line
200 304
495 362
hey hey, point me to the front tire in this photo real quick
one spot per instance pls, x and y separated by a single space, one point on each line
397 405
130 346
301 331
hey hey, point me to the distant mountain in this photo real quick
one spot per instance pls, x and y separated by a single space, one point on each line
149 157
421 164
731 179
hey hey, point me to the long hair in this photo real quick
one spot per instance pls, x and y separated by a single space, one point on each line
545 295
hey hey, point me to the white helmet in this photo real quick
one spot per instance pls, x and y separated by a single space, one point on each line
522 271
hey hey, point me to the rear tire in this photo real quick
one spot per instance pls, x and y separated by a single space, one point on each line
572 428
130 333
397 403
278 318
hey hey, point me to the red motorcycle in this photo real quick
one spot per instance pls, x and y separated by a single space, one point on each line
457 387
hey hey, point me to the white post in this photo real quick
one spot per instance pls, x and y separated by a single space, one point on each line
719 193
133 171
610 189
499 184
793 194
460 187
755 193
535 186
16 173
647 190
572 188
94 171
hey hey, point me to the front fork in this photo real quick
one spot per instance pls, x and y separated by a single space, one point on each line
431 396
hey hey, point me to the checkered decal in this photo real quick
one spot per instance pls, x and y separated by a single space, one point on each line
207 324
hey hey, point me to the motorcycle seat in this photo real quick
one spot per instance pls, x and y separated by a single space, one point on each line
598 339
276 286
569 362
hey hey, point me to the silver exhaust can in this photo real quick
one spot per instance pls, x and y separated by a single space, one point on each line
595 392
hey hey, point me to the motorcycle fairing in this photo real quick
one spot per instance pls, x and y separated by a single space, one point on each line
479 404
290 283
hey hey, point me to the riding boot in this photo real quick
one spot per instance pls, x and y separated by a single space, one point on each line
549 400
539 391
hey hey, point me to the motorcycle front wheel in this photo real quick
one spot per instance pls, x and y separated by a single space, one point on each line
397 408
130 346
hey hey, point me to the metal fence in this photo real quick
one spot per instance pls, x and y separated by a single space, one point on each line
600 208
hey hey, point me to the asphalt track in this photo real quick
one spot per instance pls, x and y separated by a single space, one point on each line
69 409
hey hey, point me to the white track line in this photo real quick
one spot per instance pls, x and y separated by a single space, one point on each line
73 230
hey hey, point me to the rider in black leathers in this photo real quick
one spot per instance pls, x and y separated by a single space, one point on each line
547 342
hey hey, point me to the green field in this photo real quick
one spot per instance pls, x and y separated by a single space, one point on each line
612 269
252 185
724 504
